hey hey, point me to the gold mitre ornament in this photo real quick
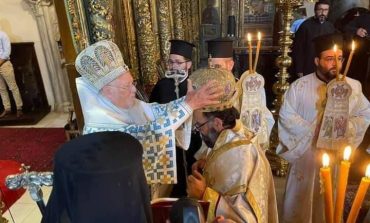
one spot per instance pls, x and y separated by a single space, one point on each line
100 63
223 78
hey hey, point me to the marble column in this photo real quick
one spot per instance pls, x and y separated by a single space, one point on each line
46 19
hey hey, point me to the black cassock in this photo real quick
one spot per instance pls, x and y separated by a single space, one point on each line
303 51
164 92
360 66
99 177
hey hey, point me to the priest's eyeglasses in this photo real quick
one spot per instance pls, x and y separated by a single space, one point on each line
197 126
175 62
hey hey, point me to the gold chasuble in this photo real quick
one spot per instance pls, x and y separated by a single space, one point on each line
239 180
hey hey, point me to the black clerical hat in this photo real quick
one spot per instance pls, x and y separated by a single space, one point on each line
181 47
220 48
327 42
99 177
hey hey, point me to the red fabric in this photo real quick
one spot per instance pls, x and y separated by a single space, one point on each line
34 147
9 197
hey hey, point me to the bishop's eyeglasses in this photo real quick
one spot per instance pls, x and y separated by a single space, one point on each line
125 87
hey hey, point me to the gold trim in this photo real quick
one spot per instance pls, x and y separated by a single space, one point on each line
194 32
100 19
148 51
125 34
77 22
252 201
212 197
164 28
177 19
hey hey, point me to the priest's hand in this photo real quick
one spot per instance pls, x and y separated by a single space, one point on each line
198 165
361 32
208 94
196 185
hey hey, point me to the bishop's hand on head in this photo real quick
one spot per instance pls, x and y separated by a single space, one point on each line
208 94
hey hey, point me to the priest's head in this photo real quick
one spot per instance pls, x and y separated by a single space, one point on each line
322 10
180 55
101 65
220 52
326 66
210 121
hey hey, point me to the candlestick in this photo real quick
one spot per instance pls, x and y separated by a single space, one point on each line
336 61
249 37
342 185
325 173
359 198
350 58
258 51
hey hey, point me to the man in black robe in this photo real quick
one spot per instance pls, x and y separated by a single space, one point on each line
303 53
220 51
359 28
164 92
99 177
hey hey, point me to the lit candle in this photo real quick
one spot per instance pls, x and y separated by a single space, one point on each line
342 184
325 174
258 51
249 38
360 195
336 60
350 58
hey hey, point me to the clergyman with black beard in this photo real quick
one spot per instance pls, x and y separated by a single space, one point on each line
299 126
233 173
303 52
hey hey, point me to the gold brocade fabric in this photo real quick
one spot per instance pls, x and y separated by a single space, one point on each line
237 168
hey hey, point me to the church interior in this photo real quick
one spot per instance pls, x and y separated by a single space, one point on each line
47 35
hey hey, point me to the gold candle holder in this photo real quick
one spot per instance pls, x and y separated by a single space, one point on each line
283 62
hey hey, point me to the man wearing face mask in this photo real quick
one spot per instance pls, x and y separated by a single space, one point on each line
164 91
236 179
303 49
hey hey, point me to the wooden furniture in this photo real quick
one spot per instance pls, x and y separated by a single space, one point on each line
30 84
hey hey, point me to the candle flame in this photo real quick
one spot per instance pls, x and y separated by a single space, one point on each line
335 48
249 37
353 45
325 160
259 36
368 171
347 153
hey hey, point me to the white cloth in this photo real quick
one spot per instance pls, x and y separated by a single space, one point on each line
241 175
254 113
298 134
4 46
153 125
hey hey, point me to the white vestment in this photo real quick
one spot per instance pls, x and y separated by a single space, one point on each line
299 117
153 125
251 104
239 181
